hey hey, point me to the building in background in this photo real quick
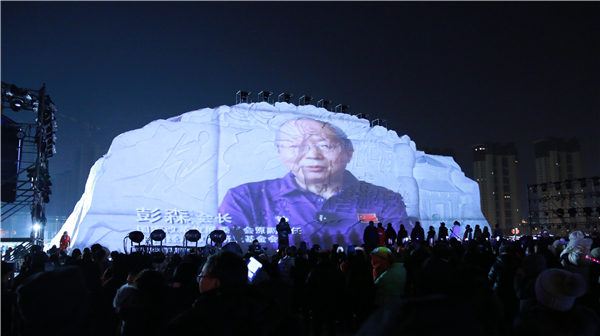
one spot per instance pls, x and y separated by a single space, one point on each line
557 160
563 198
496 170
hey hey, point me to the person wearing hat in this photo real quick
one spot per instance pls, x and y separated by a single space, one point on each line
556 312
574 257
595 272
389 276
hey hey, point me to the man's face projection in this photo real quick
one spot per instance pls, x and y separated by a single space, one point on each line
312 150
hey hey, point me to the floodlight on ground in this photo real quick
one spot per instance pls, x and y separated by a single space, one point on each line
158 235
192 236
136 236
218 237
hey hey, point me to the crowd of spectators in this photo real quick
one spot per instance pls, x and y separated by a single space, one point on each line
396 283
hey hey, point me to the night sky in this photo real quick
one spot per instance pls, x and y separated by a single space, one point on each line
449 75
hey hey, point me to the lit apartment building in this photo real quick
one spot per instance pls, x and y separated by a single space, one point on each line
497 173
557 160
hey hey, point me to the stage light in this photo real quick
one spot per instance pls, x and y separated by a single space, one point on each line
192 236
560 212
379 122
36 227
218 237
363 116
285 97
304 100
557 185
568 184
136 236
544 187
158 235
263 96
242 96
341 108
324 104
596 181
582 182
559 227
588 211
16 105
533 188
572 212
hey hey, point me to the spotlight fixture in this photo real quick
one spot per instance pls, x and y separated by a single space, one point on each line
544 187
534 188
158 235
572 212
560 212
324 104
587 211
242 97
557 185
193 236
136 236
379 122
582 182
363 116
559 227
304 100
16 105
568 184
341 108
263 96
218 237
285 97
596 181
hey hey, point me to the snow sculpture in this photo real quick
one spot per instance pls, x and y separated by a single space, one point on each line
241 168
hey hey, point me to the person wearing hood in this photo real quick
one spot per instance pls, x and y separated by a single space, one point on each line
389 276
556 312
390 235
443 232
417 233
575 257
402 234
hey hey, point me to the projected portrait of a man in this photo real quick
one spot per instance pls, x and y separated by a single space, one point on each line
318 194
